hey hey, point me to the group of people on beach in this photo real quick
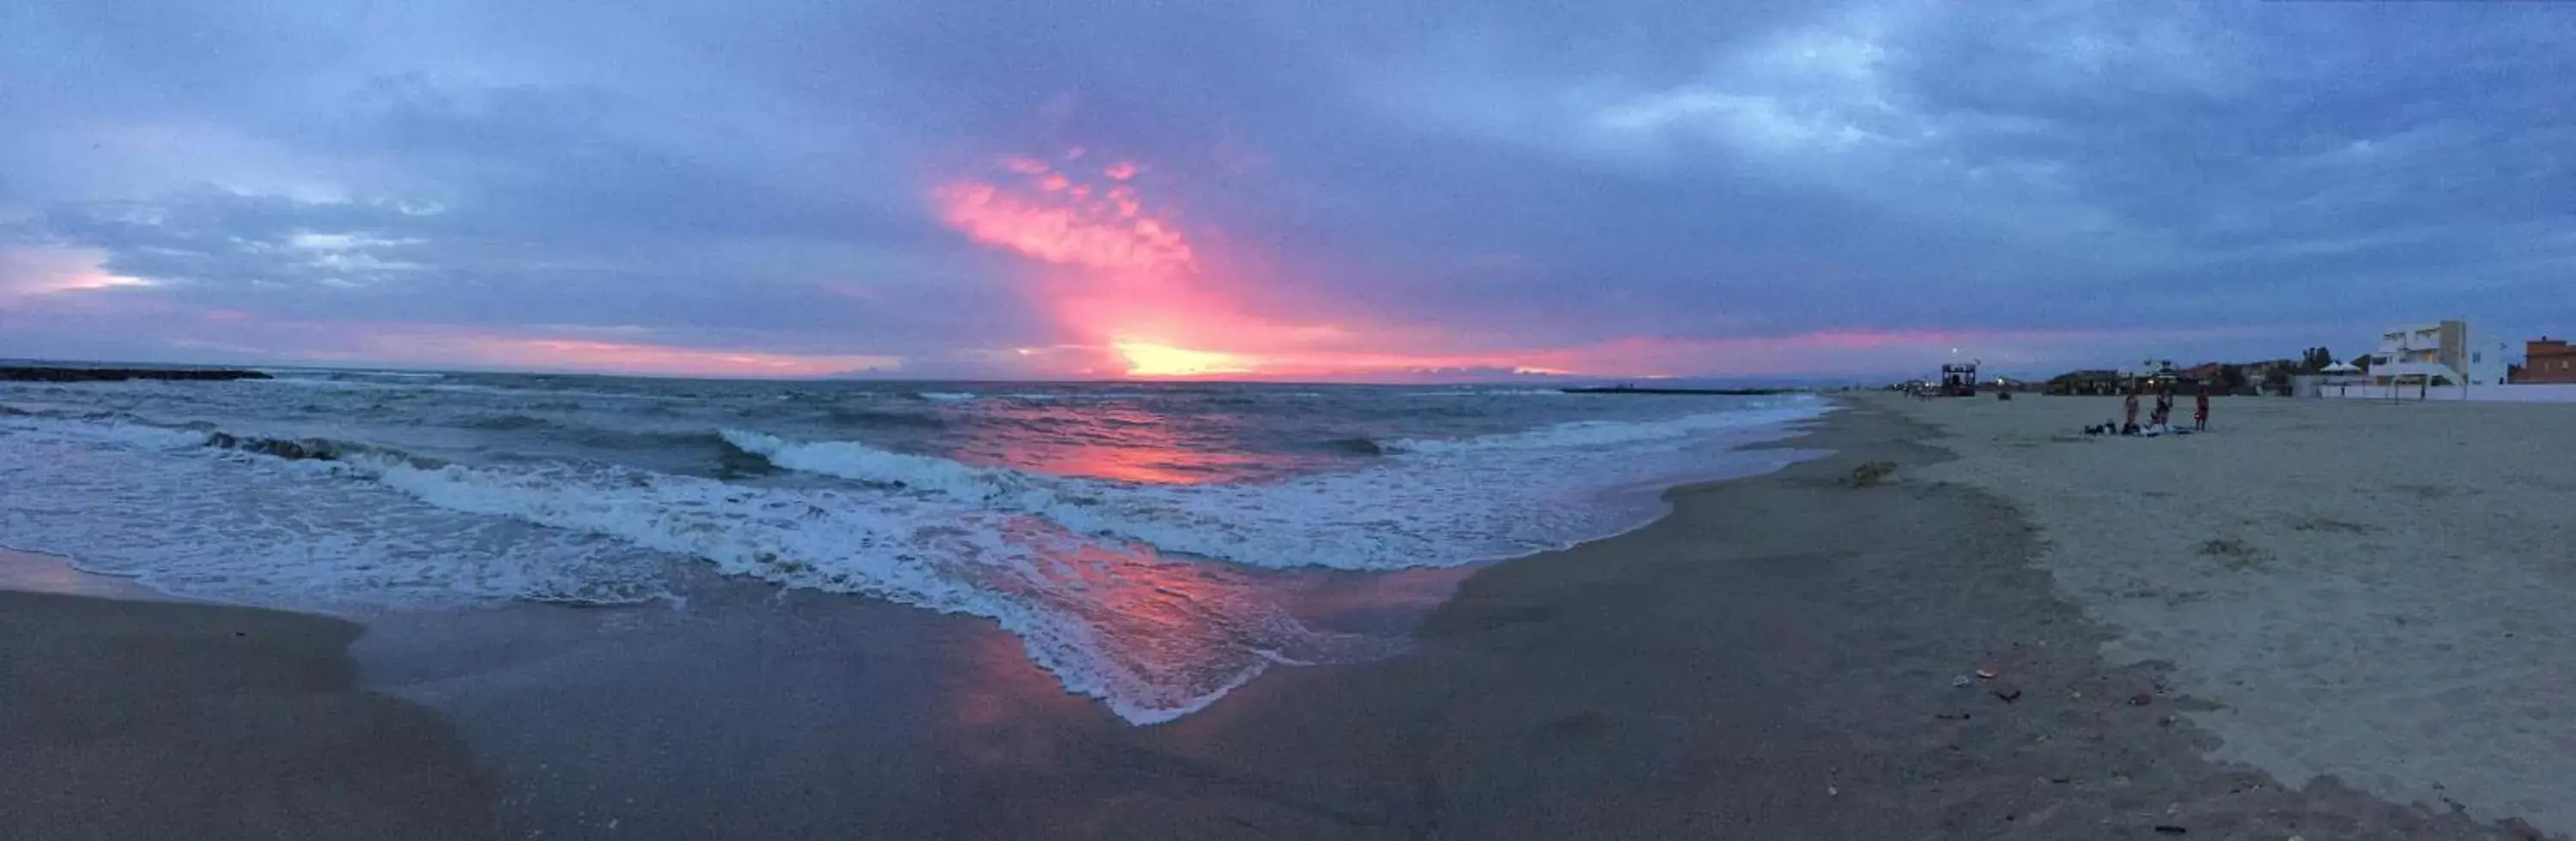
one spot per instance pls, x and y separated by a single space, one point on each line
2162 419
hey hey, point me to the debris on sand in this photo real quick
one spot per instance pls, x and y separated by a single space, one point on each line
1870 474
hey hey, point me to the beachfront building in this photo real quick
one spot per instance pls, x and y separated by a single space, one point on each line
2442 353
2547 360
2088 381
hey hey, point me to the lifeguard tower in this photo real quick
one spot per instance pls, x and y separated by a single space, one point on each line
1959 379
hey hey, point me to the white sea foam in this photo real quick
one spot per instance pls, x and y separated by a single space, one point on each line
853 460
1155 638
1440 503
127 434
1490 392
328 384
296 372
1596 434
947 396
416 384
227 525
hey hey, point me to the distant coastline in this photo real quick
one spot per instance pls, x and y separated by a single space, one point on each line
81 374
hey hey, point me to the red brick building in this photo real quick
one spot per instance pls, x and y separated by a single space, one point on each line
2547 360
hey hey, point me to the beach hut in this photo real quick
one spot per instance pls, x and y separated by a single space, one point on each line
2339 378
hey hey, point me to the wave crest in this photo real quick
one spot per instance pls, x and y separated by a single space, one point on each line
862 463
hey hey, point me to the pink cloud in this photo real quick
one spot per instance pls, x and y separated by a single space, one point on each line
1145 296
31 271
1074 232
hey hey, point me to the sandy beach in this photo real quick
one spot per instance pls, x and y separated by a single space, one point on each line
2370 592
1775 659
122 718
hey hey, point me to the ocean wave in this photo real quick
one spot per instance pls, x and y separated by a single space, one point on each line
877 418
1489 392
328 384
944 396
327 373
210 522
574 393
425 387
1153 637
1596 433
100 430
862 463
291 449
1462 501
1356 446
502 423
124 431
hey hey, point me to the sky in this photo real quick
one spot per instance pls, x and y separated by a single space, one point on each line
1377 191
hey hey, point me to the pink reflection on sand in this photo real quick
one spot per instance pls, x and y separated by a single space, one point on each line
1162 636
1155 637
34 573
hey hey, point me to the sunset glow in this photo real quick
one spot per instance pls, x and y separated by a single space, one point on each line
48 271
1126 277
1145 359
438 344
565 354
1142 292
1108 233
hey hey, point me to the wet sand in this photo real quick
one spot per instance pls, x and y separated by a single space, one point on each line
1773 660
140 719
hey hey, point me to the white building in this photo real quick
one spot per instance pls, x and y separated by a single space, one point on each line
2439 354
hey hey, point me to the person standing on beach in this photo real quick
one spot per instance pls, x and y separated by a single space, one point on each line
2200 411
2164 406
2129 408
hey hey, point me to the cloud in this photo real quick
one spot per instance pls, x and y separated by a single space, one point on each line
1638 187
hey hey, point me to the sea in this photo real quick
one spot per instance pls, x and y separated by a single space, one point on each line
1147 543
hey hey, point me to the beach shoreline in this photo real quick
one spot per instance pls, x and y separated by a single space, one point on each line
1773 657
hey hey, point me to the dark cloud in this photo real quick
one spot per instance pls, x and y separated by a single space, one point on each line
1502 175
